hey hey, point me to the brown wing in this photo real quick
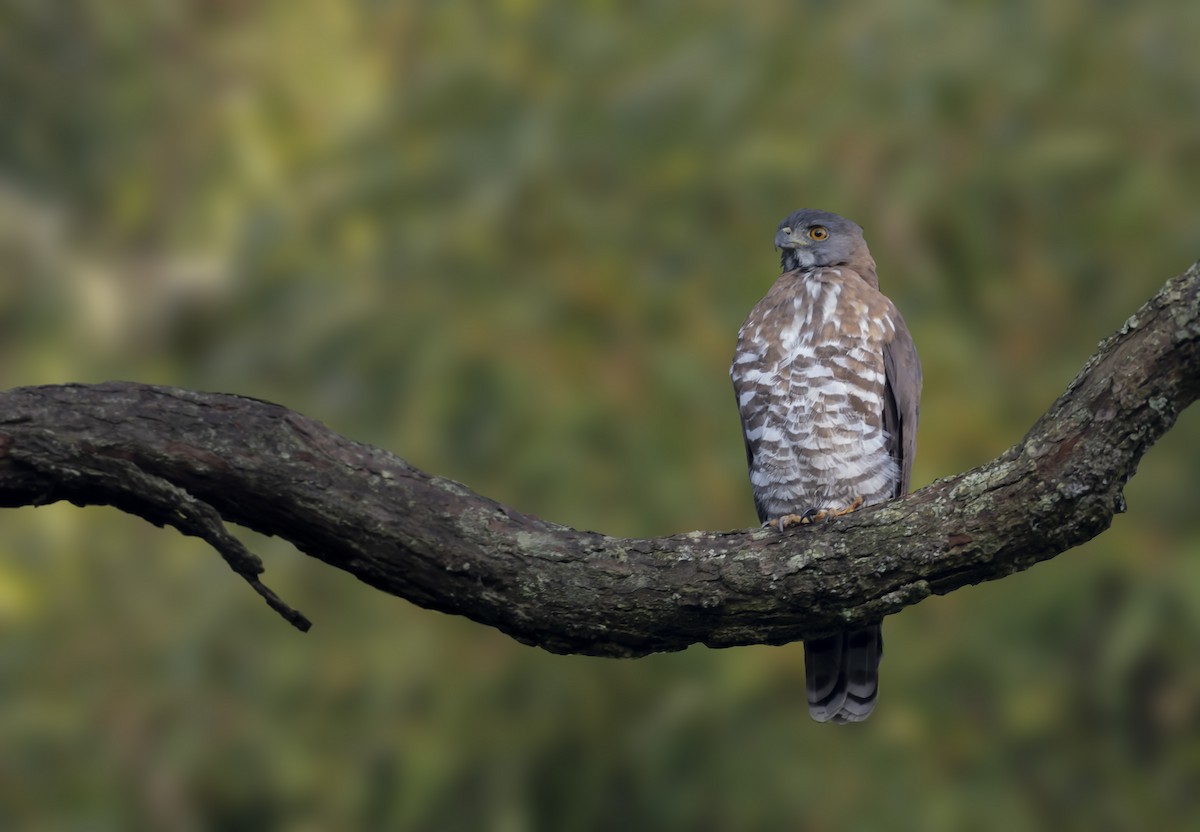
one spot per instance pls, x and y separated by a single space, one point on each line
902 399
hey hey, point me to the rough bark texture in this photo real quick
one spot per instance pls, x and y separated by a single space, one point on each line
194 460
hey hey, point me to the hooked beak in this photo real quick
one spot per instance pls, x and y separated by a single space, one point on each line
786 238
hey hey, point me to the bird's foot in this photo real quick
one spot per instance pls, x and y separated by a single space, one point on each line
814 515
789 520
854 506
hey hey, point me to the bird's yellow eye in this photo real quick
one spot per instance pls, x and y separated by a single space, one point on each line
818 232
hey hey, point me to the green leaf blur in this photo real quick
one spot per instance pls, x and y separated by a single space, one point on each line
513 242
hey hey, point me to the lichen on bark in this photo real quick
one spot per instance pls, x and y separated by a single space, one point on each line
196 461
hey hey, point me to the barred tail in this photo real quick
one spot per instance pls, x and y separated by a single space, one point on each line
842 674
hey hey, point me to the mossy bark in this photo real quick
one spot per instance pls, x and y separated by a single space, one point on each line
196 460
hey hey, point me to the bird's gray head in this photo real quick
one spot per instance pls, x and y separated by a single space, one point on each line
808 238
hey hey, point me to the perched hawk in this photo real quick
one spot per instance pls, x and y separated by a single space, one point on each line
827 383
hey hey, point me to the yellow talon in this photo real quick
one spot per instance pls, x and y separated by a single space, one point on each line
850 509
789 520
814 515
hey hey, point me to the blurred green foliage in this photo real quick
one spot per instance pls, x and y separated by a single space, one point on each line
513 243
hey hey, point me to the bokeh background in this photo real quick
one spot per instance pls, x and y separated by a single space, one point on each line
513 242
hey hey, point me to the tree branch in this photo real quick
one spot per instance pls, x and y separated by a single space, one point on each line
190 460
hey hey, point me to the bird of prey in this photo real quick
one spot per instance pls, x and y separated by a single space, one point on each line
828 383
